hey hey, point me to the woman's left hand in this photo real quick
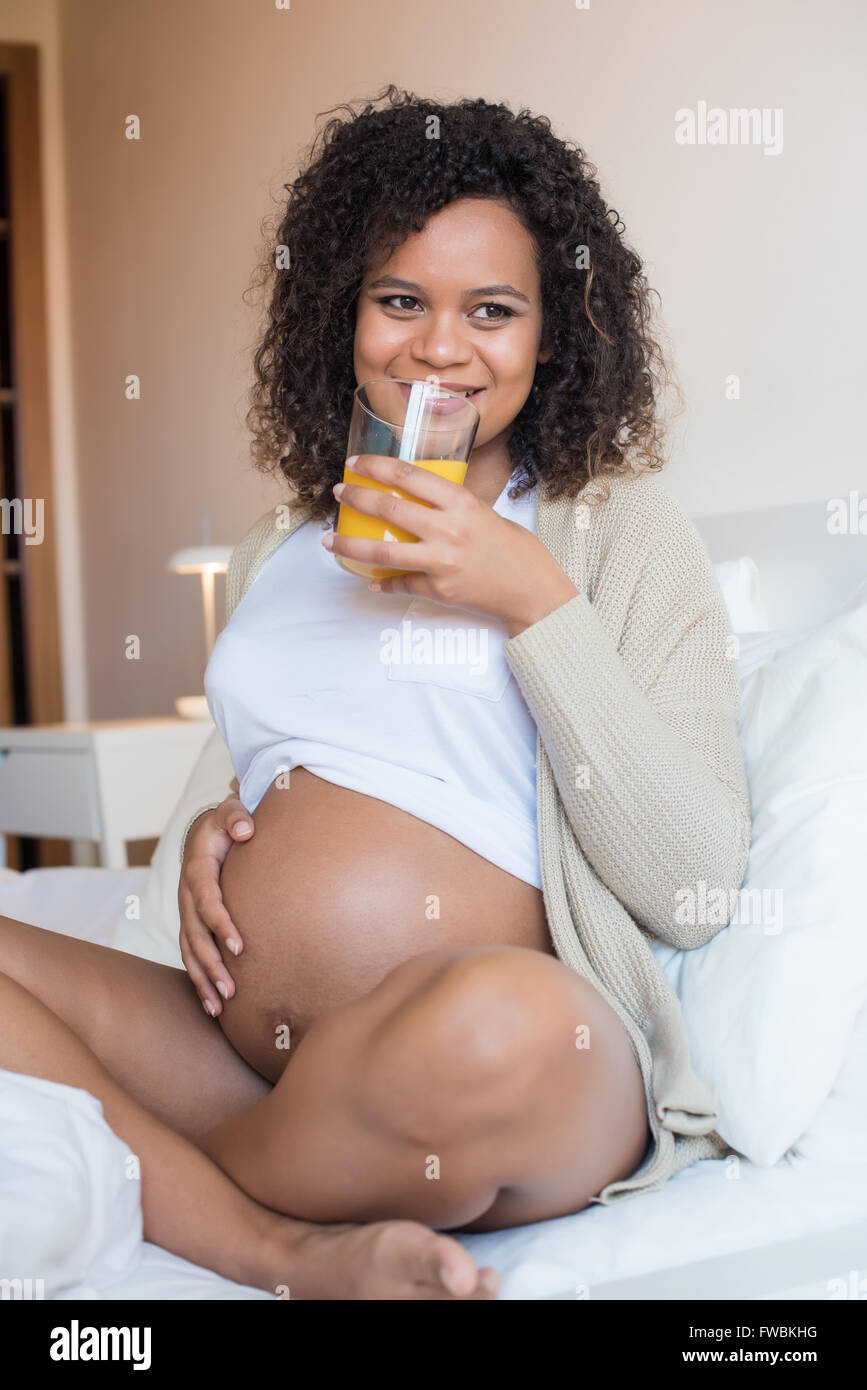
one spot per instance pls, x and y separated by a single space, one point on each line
466 556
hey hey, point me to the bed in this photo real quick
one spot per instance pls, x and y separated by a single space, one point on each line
784 1215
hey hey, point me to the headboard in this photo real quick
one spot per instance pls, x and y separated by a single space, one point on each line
806 572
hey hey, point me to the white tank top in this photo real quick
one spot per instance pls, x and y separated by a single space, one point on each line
401 698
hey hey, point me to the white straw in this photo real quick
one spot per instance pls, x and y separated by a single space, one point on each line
412 423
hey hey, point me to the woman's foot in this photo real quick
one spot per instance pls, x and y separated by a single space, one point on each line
391 1260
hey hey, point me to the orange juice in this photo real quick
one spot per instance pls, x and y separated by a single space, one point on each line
354 523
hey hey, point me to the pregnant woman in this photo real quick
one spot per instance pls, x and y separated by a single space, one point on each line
420 995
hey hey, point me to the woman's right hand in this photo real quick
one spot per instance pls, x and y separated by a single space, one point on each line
200 902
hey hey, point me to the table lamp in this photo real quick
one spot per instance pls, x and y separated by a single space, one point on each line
206 561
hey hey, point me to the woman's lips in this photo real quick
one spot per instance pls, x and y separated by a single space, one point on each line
448 404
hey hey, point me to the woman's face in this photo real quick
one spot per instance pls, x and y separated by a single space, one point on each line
460 300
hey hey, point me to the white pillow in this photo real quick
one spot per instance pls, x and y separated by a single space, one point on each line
838 1134
155 934
739 582
770 1004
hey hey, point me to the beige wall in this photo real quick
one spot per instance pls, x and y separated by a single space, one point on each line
757 257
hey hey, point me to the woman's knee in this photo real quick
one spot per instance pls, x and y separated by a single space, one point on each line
491 1004
466 1032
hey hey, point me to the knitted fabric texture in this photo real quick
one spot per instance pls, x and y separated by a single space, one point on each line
641 789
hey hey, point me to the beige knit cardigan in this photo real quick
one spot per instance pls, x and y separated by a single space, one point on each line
641 790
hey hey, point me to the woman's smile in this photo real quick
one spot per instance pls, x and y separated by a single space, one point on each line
448 404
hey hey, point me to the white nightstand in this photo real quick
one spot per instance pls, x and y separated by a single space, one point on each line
111 780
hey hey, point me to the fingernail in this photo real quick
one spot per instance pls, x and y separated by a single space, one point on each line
488 1281
243 827
233 945
222 989
447 1279
209 1008
350 463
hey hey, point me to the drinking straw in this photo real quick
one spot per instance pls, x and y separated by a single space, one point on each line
413 422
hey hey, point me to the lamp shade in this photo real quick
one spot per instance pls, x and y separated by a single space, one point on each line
205 561
201 559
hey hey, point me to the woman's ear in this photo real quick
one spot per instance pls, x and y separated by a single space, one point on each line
545 352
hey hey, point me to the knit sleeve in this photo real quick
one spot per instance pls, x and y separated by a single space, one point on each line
643 740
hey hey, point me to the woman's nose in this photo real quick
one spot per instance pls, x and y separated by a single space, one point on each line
442 342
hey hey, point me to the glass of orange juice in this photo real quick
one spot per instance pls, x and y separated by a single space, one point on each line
418 421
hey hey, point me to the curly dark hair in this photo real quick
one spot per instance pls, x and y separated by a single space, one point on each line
371 180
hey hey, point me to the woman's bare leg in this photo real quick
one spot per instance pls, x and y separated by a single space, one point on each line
458 1092
212 1223
146 1022
451 1094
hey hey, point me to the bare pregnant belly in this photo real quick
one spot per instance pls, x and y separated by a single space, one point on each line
334 890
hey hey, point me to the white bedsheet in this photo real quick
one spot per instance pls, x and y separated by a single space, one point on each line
70 1212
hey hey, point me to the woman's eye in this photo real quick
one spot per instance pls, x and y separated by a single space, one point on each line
507 313
392 297
503 311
